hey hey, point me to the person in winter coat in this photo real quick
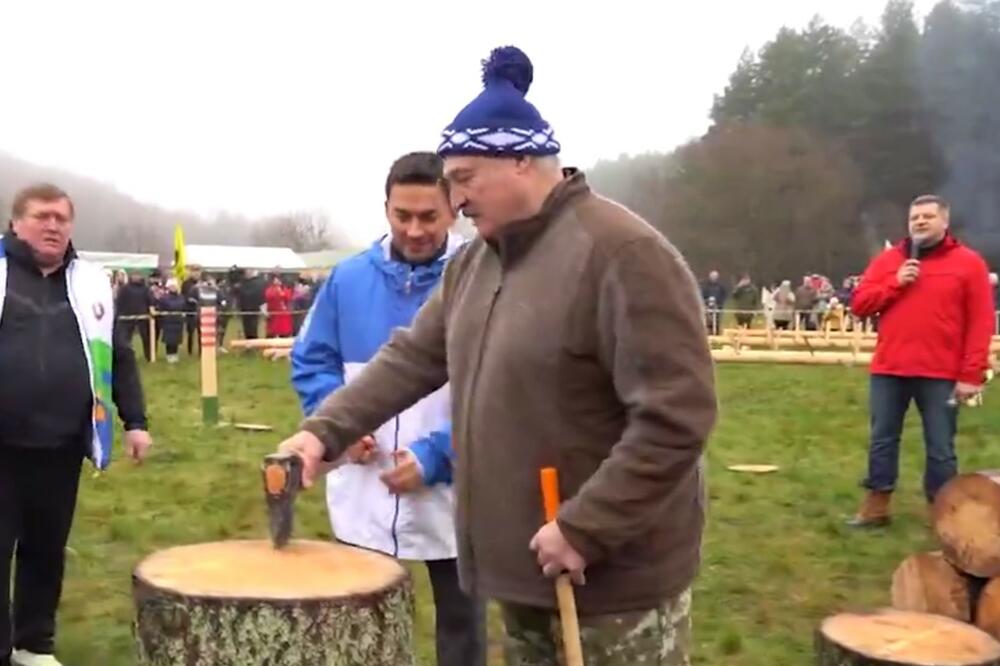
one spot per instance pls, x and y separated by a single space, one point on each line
713 294
64 369
133 300
172 308
806 298
935 325
302 297
189 290
713 288
249 299
365 299
784 306
746 300
846 291
570 334
279 319
224 303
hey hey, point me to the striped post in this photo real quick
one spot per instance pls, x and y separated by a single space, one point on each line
208 316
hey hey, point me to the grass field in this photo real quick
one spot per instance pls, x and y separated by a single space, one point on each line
777 557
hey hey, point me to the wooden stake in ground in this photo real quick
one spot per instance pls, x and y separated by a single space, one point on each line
209 370
568 619
902 638
988 609
928 583
237 603
967 522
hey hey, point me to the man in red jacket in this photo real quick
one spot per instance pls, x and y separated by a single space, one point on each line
932 295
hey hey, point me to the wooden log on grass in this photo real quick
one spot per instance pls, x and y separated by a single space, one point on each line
779 333
237 603
929 583
815 334
902 638
262 343
762 342
967 522
791 357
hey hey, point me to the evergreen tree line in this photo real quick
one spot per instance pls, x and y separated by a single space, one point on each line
822 138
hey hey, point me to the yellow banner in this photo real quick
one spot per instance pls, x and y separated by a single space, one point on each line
180 260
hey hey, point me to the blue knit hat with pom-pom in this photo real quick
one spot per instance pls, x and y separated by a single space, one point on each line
500 122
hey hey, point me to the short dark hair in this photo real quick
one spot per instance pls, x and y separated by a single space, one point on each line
931 199
420 168
46 192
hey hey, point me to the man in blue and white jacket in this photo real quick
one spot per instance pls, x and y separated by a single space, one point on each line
393 492
64 367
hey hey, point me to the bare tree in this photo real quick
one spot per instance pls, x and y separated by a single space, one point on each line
302 231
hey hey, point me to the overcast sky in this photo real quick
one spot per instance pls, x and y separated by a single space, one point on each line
261 107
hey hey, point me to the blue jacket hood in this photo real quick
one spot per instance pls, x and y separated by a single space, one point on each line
402 274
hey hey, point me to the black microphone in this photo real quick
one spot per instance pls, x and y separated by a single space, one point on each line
914 248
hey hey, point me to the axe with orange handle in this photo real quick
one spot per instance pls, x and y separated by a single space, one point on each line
564 586
282 481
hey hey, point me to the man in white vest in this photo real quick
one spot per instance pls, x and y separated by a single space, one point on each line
395 494
62 372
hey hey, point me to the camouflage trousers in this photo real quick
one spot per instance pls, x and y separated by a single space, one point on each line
657 637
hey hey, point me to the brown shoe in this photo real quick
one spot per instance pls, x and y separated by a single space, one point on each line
874 510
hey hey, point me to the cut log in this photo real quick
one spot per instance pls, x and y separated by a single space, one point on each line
967 522
928 583
902 638
237 603
988 609
253 427
792 357
262 343
753 469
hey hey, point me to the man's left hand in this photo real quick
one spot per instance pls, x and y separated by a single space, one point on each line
965 391
406 476
137 445
556 555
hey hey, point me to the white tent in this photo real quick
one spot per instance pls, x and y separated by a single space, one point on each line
224 257
123 260
326 258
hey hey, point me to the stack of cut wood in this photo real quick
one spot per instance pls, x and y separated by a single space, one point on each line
946 604
962 581
825 347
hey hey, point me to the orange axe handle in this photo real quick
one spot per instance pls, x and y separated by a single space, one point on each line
564 586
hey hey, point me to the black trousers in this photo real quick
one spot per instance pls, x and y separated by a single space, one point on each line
38 491
460 620
193 332
129 327
223 323
251 323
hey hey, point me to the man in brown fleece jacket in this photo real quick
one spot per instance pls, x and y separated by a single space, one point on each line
573 337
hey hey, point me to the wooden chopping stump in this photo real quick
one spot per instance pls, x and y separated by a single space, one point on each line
243 603
902 638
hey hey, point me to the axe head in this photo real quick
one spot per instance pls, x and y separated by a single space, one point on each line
282 481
